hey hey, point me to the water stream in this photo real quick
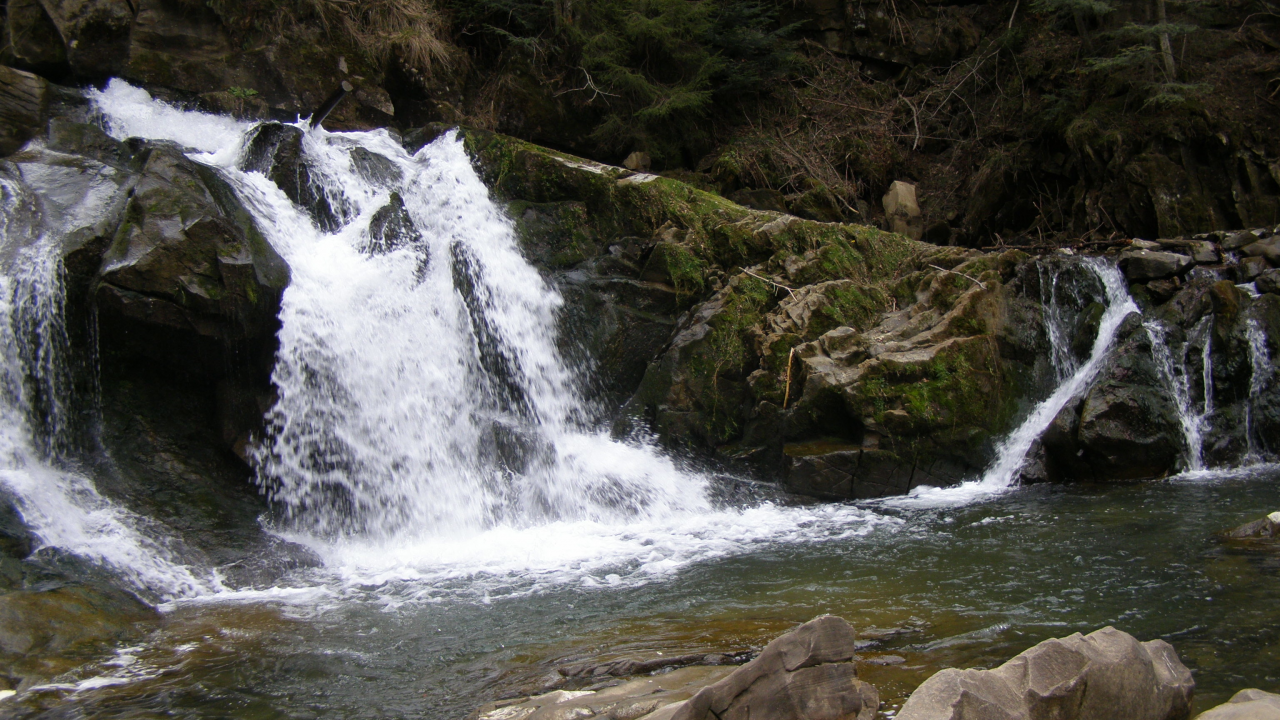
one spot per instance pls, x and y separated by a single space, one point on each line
1178 375
475 529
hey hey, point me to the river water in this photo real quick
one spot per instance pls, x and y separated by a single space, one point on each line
452 574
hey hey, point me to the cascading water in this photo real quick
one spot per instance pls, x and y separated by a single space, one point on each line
1011 453
1260 377
426 427
1177 376
59 506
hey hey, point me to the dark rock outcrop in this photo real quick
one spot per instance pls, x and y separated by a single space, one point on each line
1101 676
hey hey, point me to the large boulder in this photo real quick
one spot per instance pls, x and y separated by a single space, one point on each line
1250 704
23 106
1101 676
806 674
1144 265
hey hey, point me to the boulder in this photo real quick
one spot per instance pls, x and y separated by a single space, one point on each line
95 32
1204 252
806 674
1145 265
902 210
1268 249
1128 432
638 161
33 38
23 104
1251 268
1268 282
1101 676
1267 527
1250 704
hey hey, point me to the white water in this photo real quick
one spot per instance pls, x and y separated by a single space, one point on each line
1260 377
60 507
1011 453
428 440
1177 378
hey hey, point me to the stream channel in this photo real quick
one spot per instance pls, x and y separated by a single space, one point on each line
450 575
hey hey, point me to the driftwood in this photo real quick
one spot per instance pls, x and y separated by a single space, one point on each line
327 107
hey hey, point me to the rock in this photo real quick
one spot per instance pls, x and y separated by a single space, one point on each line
1144 265
32 36
902 211
1269 249
275 150
1267 527
1235 241
23 107
803 675
623 701
1250 704
638 161
96 34
1204 252
1102 676
1268 282
1250 268
68 619
1145 245
391 228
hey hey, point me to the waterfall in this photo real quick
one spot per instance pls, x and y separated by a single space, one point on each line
1177 376
1260 376
60 506
1011 453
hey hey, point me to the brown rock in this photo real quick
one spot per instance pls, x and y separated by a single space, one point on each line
902 210
803 675
23 104
1102 676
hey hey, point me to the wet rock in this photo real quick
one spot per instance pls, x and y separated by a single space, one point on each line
1250 704
868 473
375 168
1204 253
1266 528
69 619
23 107
1128 432
391 228
622 701
33 38
1104 675
275 150
1145 265
902 210
1238 240
803 675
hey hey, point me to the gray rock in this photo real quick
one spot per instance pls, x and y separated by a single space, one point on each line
1269 249
1145 265
1268 282
1204 252
1250 268
1102 676
1235 241
1250 704
803 675
32 36
902 210
96 33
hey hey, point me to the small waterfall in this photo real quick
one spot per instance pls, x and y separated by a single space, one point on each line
61 507
1060 303
1260 377
1011 453
1177 376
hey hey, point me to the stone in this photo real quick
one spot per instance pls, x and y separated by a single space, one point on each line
806 674
1269 249
23 107
1204 252
275 150
902 210
1268 282
630 700
638 161
33 38
1128 432
1235 241
1145 245
1250 268
1249 704
1145 265
1267 527
1105 675
67 619
96 33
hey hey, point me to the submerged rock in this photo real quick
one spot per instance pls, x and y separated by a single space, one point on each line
1266 528
1250 704
1101 676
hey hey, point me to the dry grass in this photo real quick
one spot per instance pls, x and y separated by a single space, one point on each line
414 31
